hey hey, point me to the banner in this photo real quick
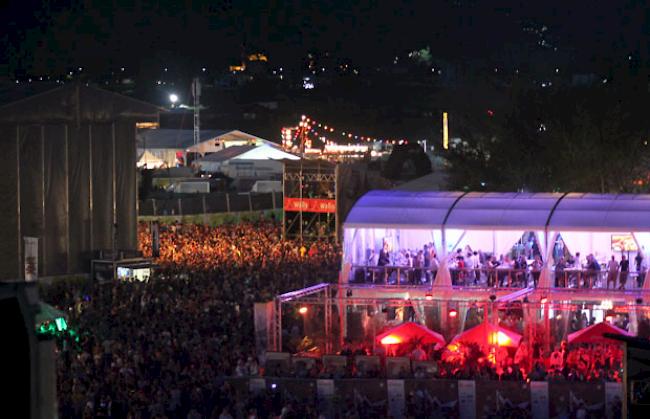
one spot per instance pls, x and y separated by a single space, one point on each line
325 393
467 399
576 398
325 388
155 239
432 398
539 399
263 320
613 400
257 385
396 398
369 394
310 205
31 258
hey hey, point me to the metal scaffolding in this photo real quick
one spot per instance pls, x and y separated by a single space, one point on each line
304 181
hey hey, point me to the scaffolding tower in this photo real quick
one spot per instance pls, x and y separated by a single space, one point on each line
310 200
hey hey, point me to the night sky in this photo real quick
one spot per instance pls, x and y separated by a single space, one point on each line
43 38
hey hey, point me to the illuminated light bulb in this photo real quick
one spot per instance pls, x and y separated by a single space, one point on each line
391 340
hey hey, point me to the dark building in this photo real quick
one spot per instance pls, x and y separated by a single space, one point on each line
68 176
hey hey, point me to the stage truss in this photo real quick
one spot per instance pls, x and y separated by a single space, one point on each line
310 206
543 309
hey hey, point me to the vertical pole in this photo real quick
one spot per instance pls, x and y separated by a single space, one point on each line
284 196
67 201
43 226
300 178
180 207
19 240
278 324
153 203
445 130
90 185
336 202
114 187
625 401
250 203
136 198
227 202
273 199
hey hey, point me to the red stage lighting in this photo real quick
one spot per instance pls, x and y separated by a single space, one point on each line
453 313
302 310
544 300
428 297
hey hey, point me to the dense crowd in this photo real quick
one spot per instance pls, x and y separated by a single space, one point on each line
160 348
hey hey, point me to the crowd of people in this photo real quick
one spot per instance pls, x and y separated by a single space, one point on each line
519 268
164 347
160 348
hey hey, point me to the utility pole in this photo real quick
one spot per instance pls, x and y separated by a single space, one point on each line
196 92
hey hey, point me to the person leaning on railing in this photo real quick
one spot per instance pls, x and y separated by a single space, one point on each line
560 278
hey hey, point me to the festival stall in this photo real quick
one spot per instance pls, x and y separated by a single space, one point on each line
410 332
487 334
594 334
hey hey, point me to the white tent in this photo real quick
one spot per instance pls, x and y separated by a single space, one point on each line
252 160
150 161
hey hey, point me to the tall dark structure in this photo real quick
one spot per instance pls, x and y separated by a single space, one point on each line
310 197
68 177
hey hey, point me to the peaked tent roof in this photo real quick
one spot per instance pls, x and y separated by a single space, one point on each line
248 152
501 211
594 334
227 153
489 334
409 331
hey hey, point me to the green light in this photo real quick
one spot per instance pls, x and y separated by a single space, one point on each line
61 325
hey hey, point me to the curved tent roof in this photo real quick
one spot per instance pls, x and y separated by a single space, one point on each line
501 211
403 209
577 211
505 210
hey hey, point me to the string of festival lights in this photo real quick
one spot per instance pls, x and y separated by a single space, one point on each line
319 129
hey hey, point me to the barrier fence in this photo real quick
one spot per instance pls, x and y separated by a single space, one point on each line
506 278
441 398
197 204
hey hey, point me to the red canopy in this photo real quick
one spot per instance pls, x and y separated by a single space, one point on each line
487 334
410 331
594 334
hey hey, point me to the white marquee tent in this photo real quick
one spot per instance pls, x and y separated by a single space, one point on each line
494 222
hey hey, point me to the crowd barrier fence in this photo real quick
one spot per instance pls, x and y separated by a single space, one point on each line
198 204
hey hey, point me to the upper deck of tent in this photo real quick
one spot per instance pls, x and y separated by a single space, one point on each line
500 211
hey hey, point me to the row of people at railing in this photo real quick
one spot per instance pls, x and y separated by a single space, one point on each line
475 268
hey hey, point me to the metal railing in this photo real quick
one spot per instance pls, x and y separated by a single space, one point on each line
493 277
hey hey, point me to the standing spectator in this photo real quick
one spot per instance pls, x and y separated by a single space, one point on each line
625 269
612 272
476 266
560 278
